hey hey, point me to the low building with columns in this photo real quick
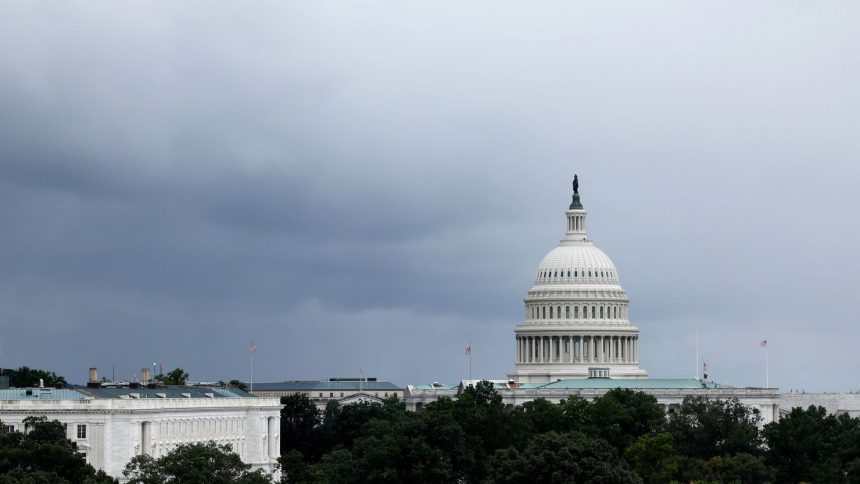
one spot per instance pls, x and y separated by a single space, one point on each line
110 425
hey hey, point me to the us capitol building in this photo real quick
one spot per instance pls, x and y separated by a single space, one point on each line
576 314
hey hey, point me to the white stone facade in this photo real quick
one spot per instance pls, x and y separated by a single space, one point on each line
763 401
111 431
576 314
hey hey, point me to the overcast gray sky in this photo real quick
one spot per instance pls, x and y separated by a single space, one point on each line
372 184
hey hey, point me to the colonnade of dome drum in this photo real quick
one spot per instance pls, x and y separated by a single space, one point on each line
578 349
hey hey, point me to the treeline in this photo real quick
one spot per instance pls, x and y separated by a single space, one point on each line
29 377
621 437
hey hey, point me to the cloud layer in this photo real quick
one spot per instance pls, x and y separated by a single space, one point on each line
372 185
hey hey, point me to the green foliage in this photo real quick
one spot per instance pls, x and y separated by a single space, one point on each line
43 454
651 457
177 376
741 467
238 384
620 416
190 463
622 436
29 377
553 457
809 445
300 420
703 428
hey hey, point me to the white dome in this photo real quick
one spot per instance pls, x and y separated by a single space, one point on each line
577 263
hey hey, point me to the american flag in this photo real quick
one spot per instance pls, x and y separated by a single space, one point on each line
468 350
253 347
705 365
763 343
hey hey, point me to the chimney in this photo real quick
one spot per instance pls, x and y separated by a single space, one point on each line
93 379
144 375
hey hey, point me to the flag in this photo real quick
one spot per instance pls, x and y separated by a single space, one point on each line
705 366
253 347
763 343
468 350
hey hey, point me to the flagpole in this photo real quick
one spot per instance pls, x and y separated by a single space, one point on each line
252 368
697 353
766 369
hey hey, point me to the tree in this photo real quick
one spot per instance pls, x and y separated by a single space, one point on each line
43 454
299 421
29 377
803 446
705 428
210 462
238 384
622 415
175 377
741 467
555 458
651 457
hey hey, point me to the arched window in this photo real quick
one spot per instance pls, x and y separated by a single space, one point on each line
576 312
614 312
575 273
601 312
544 313
555 274
593 312
567 312
589 273
558 312
550 312
585 312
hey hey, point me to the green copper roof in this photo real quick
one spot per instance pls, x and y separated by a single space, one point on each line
633 383
41 394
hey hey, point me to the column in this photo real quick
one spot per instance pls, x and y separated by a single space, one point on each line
542 349
600 341
572 348
551 349
636 349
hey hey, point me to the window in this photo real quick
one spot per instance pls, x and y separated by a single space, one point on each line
576 312
585 312
568 273
82 431
320 394
593 312
575 273
331 395
589 273
567 312
7 428
544 313
615 312
550 312
555 274
558 312
341 394
601 312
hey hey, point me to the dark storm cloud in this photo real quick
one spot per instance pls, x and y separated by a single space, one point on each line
373 185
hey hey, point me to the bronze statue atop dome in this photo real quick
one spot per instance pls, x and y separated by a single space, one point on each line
575 184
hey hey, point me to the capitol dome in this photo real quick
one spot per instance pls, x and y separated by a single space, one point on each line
576 322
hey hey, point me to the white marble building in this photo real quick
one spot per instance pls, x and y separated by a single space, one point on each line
576 313
112 425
